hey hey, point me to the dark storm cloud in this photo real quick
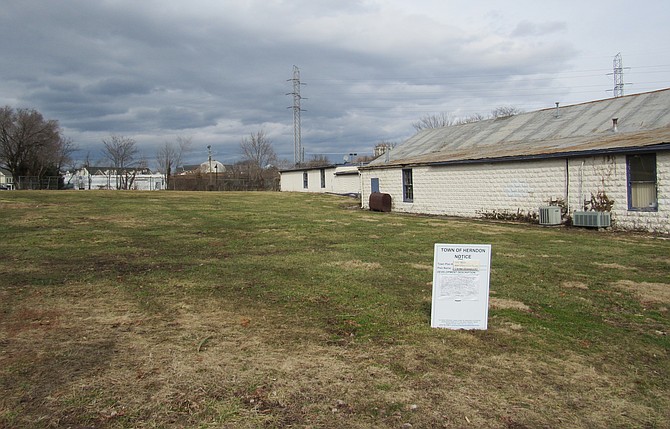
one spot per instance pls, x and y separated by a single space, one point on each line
217 71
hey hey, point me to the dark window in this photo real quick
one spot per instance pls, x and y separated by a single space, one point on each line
642 182
304 180
323 177
407 186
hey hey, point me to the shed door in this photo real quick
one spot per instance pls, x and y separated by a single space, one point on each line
374 184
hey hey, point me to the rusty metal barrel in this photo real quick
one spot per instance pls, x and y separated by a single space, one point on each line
380 202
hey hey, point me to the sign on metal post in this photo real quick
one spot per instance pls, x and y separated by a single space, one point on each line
461 275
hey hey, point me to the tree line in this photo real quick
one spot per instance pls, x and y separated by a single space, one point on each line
33 146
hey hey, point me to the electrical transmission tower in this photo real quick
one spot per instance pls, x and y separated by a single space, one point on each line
618 76
298 154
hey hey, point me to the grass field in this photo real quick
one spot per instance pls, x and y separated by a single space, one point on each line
248 310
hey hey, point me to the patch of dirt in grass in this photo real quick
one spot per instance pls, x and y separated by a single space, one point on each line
422 267
508 304
613 266
574 285
27 319
512 255
649 292
490 229
356 264
123 221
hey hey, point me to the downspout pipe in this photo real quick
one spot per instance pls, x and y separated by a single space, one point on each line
567 185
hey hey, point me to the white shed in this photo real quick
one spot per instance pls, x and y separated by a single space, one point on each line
335 179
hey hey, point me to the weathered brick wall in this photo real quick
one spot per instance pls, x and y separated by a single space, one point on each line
471 190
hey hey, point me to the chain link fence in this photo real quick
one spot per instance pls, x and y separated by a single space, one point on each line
36 183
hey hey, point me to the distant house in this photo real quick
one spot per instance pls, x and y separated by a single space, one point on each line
616 150
204 168
104 177
6 179
334 179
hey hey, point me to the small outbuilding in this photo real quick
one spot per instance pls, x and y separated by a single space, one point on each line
341 179
613 152
105 177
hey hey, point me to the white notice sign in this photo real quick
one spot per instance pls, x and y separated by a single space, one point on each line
461 274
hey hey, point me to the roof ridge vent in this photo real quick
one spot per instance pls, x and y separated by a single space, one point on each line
557 114
615 122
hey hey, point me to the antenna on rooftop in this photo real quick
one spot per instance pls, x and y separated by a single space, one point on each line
298 153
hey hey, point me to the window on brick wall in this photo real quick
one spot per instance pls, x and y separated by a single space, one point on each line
642 182
305 183
407 185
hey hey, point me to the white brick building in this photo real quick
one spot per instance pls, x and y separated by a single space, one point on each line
619 147
334 179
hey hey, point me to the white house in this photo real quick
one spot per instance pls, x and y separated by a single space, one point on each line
206 167
618 148
91 177
334 179
6 179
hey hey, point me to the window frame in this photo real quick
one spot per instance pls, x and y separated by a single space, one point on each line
631 181
407 185
305 180
322 172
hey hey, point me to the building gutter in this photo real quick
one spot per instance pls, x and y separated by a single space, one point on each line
543 156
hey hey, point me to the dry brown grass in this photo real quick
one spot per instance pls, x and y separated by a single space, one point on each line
574 285
508 304
355 264
648 292
208 362
307 329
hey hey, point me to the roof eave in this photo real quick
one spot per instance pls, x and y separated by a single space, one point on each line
534 157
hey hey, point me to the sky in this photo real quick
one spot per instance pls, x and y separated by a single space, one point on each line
216 71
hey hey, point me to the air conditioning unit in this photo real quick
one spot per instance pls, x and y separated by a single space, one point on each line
550 215
592 219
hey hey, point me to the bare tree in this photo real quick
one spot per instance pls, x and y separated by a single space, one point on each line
31 145
170 154
318 161
445 120
258 152
121 152
505 111
433 121
475 117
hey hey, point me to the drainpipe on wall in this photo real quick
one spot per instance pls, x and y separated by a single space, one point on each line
567 185
581 183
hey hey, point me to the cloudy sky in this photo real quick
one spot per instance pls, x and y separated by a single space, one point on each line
217 70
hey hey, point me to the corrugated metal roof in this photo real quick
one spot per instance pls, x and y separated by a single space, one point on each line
643 120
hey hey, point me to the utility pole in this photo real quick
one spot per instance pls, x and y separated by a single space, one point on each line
618 75
209 172
298 154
